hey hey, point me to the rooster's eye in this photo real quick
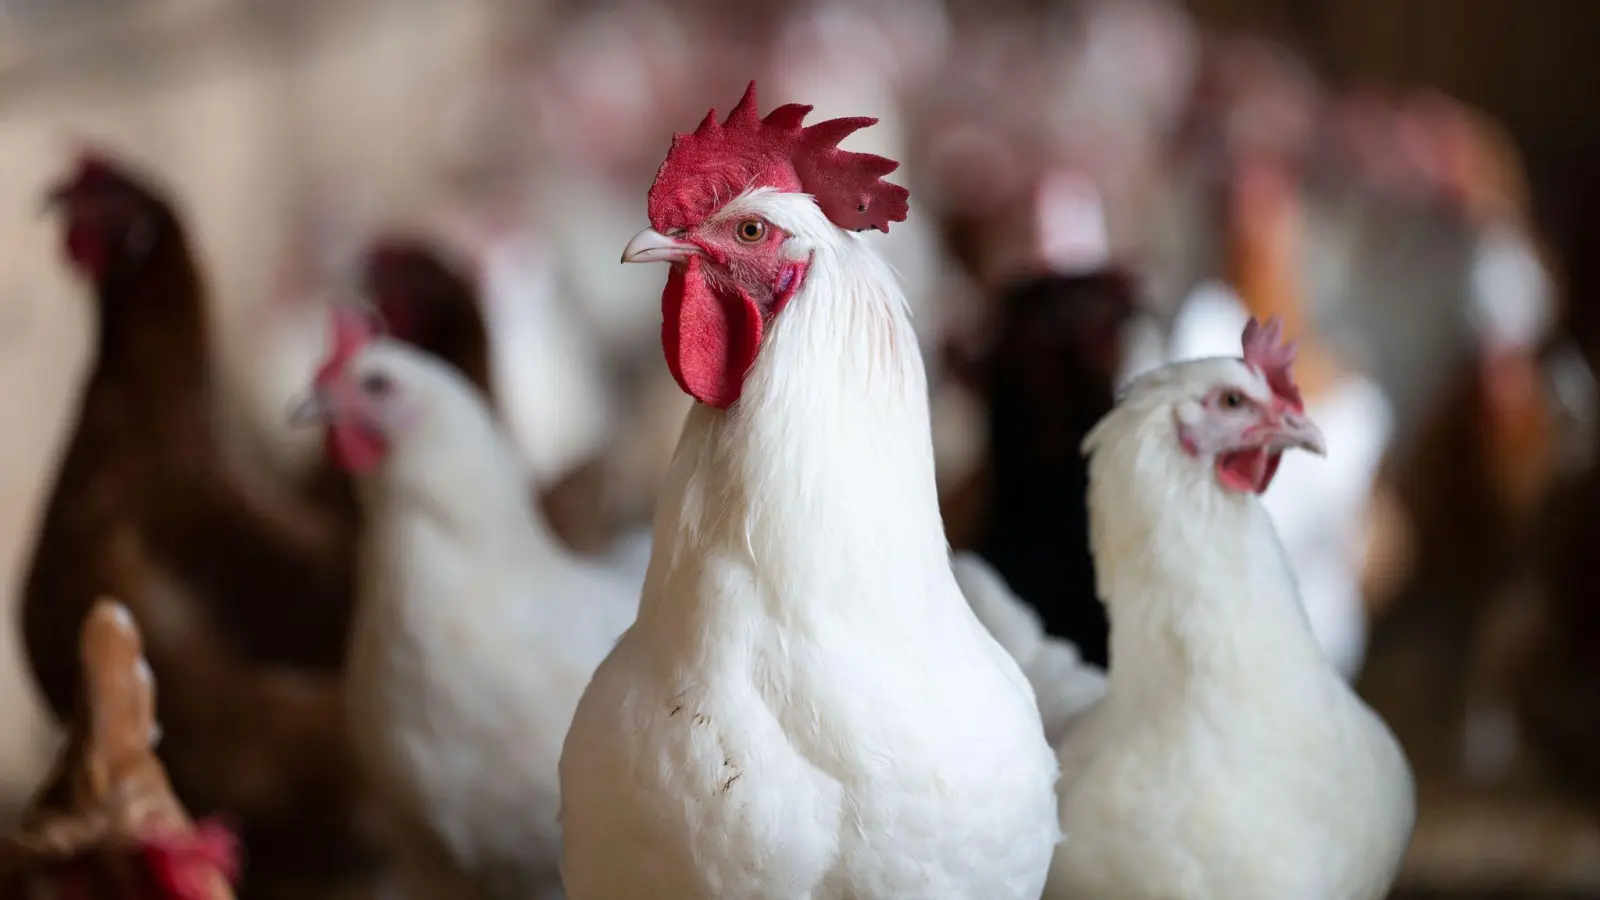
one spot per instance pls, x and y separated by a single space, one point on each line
376 384
1231 400
751 230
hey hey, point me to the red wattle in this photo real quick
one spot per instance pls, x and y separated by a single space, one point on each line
353 449
710 336
1248 470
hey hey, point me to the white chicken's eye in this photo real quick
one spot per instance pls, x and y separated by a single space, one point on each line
1231 400
751 230
376 384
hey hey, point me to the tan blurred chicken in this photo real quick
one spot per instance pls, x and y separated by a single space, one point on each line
1267 263
1490 445
106 825
1524 420
1252 238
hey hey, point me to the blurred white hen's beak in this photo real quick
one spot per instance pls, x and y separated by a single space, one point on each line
651 245
310 410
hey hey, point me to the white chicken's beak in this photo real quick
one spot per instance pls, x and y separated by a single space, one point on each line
651 245
313 409
1296 429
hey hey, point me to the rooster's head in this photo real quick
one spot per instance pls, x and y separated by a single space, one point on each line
716 215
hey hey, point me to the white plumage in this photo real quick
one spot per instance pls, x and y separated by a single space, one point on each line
1065 686
1228 761
806 707
548 370
474 637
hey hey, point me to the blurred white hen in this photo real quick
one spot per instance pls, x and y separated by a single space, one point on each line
475 633
1227 761
1319 506
547 369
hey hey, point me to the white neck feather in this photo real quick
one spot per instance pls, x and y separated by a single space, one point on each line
822 473
454 466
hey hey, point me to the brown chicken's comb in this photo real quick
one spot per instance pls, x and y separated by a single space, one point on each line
1267 352
107 824
93 168
717 161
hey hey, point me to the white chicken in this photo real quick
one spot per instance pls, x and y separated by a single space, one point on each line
806 706
475 630
548 371
1320 511
1228 758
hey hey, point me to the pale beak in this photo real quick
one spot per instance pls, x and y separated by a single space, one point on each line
313 409
1295 429
651 245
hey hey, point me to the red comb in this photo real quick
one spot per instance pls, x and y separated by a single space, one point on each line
96 163
352 330
93 168
185 866
1267 352
717 162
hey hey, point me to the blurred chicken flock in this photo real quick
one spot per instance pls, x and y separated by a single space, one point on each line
1096 189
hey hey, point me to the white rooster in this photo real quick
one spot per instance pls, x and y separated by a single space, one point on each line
806 706
475 631
1228 760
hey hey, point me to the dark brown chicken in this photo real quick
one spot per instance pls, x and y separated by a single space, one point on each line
1046 381
431 302
143 509
105 824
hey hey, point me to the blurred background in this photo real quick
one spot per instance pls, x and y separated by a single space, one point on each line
1414 187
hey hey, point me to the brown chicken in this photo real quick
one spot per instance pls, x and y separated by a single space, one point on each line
105 825
1047 379
431 302
143 509
1448 662
1557 686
